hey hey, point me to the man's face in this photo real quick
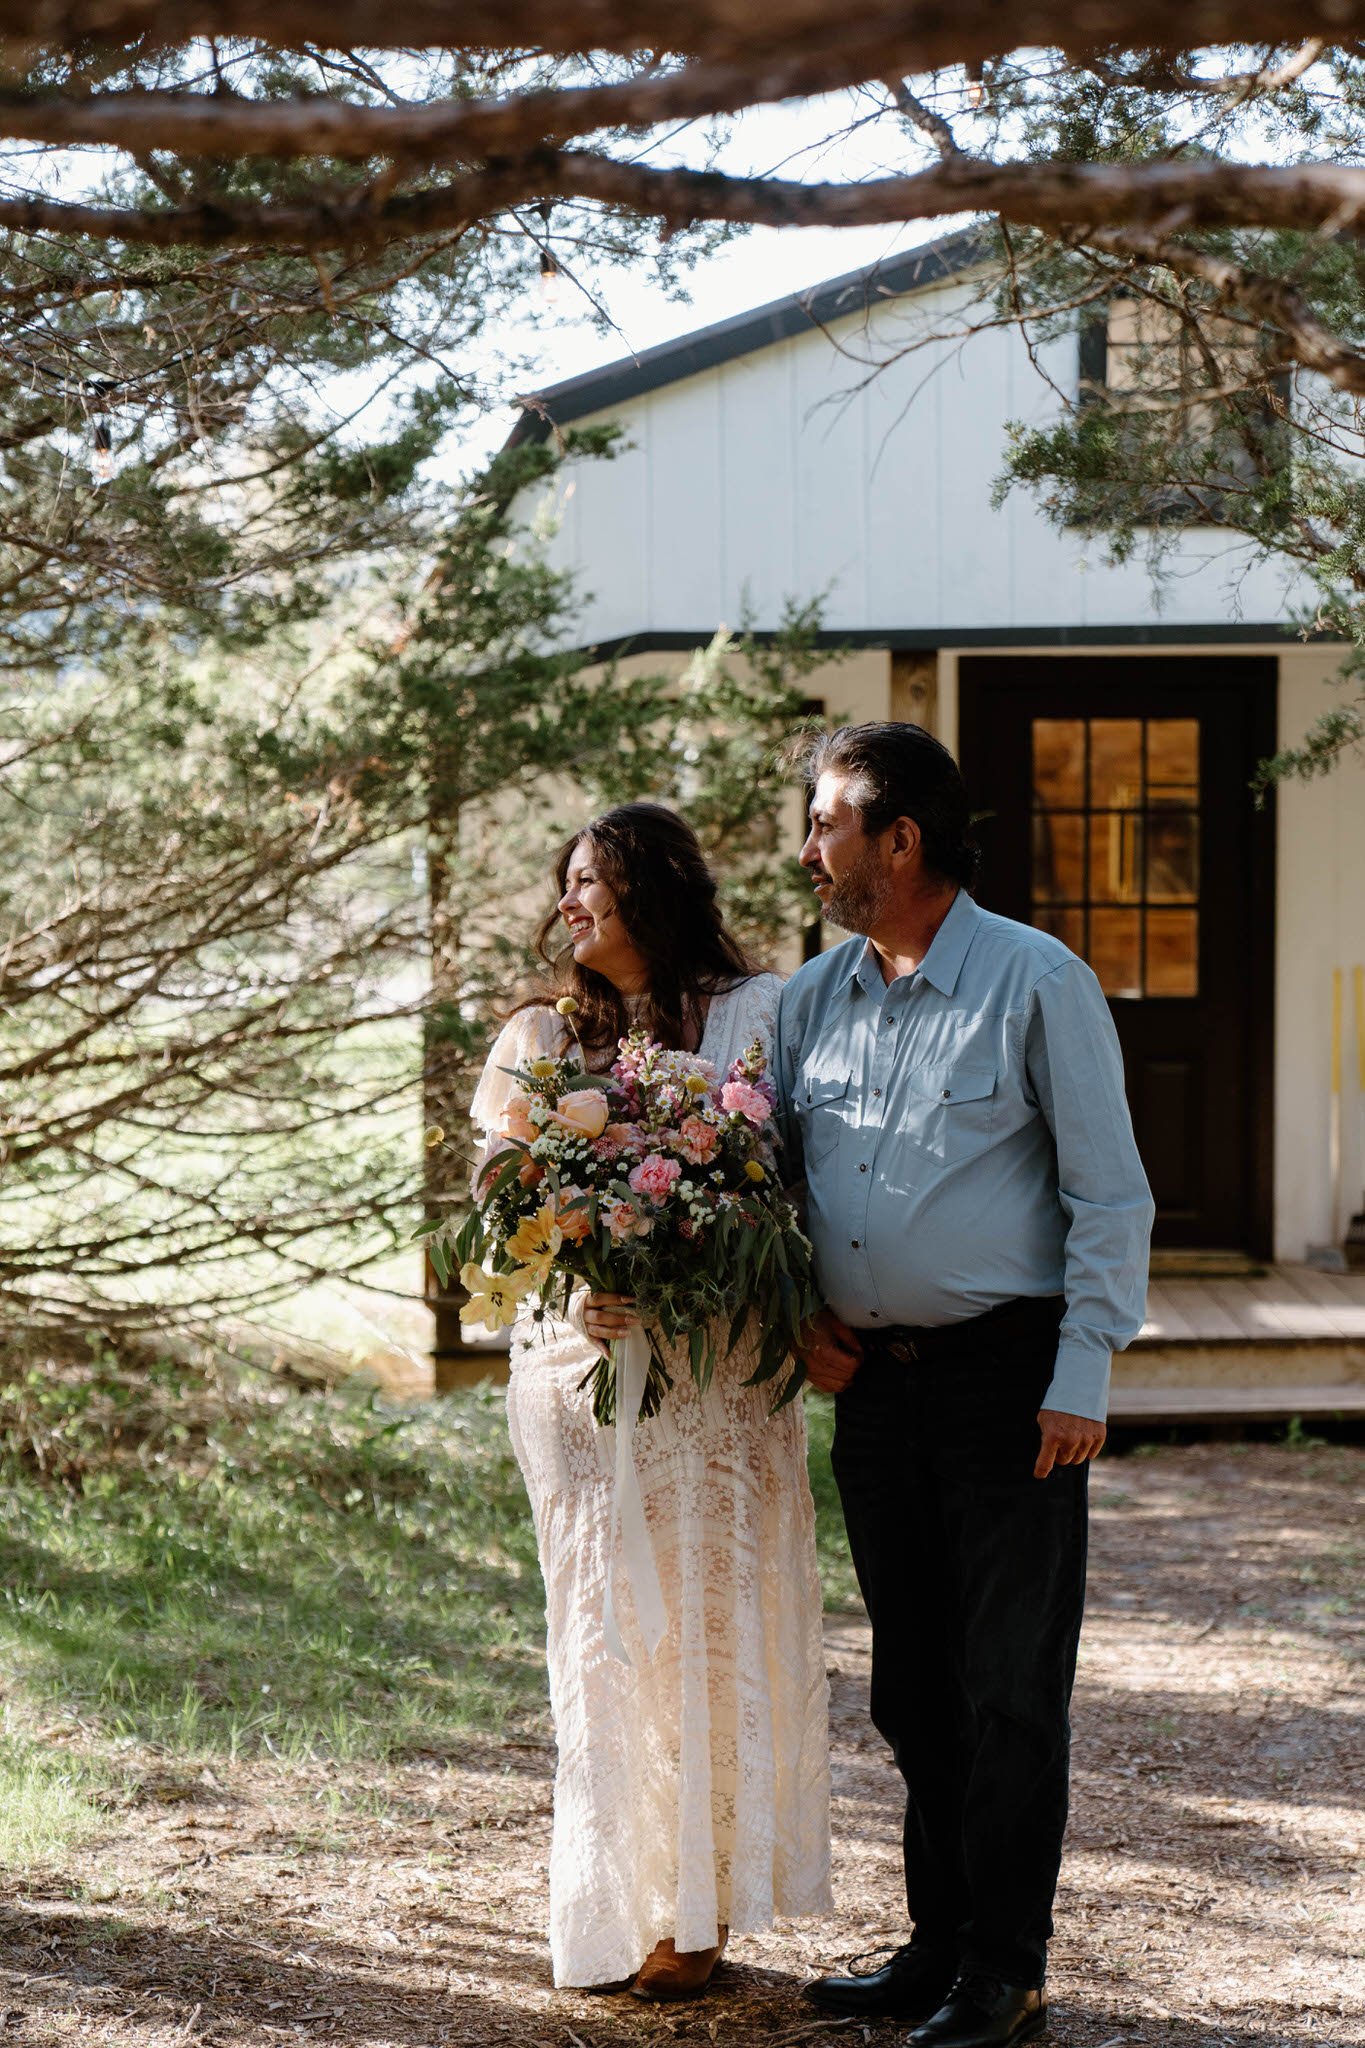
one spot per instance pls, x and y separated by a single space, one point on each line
850 872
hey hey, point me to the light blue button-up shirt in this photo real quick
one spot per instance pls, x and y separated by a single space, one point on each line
965 1140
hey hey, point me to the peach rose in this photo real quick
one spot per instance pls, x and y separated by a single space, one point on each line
584 1112
573 1221
516 1121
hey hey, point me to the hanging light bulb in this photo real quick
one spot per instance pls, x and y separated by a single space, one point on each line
976 86
549 277
104 451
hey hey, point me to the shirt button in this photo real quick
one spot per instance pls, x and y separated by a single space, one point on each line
862 1166
888 1018
873 1313
946 1093
856 1246
875 1093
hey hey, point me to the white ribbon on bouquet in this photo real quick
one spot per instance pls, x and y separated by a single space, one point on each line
629 1535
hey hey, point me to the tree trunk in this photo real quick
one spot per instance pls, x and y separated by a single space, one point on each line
454 1363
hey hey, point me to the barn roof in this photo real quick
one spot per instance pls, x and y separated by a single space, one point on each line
557 405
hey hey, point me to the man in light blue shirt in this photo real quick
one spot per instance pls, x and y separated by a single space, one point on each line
951 1088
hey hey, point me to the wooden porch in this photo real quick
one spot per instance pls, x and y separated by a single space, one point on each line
1287 1341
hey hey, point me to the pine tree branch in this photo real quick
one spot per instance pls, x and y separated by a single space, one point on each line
931 33
924 118
1314 198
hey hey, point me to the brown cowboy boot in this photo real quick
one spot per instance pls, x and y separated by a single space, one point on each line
666 1974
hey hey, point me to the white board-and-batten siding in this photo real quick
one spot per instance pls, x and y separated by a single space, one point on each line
800 471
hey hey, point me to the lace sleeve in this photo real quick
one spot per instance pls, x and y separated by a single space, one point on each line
529 1035
761 1016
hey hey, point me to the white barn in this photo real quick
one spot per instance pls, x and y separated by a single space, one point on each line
1107 728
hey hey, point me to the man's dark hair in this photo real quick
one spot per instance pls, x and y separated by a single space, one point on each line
901 771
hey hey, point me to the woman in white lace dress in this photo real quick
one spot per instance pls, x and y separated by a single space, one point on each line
692 1788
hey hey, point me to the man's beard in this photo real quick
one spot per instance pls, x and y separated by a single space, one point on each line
856 902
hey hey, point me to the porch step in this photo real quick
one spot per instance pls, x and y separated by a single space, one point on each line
1229 1403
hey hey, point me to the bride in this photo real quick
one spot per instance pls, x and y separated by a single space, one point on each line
692 1788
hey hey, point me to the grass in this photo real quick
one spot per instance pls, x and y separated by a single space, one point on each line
226 1568
836 1566
213 1565
47 1803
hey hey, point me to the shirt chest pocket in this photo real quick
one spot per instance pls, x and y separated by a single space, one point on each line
952 1110
821 1112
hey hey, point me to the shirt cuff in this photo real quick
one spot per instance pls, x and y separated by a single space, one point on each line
1080 1381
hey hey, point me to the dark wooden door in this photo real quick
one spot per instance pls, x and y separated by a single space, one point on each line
1115 811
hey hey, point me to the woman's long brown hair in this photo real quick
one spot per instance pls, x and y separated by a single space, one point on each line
667 900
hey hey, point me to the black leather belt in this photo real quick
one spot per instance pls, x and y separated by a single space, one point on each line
911 1345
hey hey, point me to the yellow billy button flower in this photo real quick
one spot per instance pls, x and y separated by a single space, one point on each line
754 1170
433 1136
695 1085
493 1297
543 1068
567 1006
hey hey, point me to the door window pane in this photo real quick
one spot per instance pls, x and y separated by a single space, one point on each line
1115 950
1059 762
1066 925
1172 761
1059 857
1172 953
1115 846
1116 857
1116 764
1173 857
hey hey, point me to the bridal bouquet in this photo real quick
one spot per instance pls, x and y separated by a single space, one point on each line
657 1181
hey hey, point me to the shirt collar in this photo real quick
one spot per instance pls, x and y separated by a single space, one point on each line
942 964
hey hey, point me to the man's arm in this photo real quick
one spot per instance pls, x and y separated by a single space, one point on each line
1075 1069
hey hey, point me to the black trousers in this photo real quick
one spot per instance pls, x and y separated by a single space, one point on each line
973 1573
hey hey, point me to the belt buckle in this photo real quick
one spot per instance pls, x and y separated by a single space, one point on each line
904 1349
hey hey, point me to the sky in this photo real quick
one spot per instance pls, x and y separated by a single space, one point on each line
763 264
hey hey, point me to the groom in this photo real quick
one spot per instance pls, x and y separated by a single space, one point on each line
952 1089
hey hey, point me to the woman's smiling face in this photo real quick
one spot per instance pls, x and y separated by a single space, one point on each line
588 908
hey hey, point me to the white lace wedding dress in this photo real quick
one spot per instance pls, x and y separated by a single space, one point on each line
692 1790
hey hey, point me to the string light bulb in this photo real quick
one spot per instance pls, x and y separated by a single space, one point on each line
549 276
104 451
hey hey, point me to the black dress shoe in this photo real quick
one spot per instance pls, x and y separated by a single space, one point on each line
980 2012
911 1986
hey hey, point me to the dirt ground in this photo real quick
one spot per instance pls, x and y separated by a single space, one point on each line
1206 1899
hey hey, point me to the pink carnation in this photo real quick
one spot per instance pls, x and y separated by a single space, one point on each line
697 1140
623 1222
654 1177
751 1102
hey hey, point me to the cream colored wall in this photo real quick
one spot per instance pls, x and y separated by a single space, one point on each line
1320 924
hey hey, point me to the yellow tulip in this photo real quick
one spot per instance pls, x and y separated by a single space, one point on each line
493 1297
536 1238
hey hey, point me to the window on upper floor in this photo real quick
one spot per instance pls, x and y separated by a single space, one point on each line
1197 408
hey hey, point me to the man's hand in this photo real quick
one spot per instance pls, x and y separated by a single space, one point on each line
830 1352
1067 1440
